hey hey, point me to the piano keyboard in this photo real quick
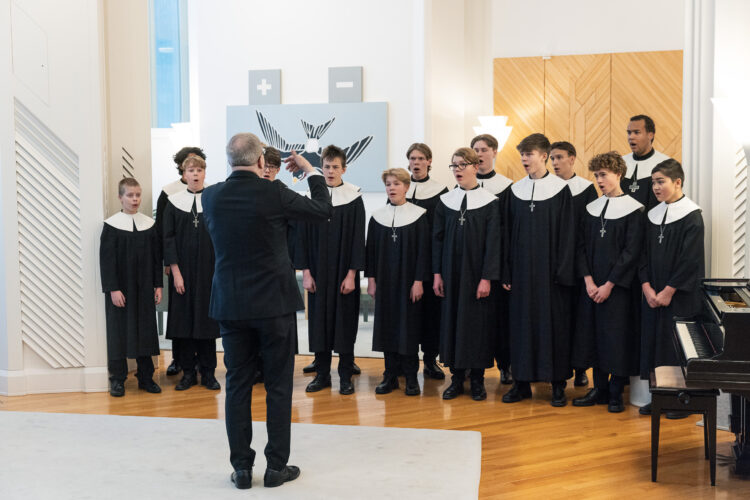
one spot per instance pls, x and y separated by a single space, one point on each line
694 340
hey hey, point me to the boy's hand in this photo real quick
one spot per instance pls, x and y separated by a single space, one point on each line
157 295
506 287
118 299
591 287
308 282
437 286
416 291
603 292
664 298
371 287
483 290
650 295
179 284
166 270
347 286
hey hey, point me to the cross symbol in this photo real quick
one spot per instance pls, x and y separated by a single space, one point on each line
531 206
461 219
634 186
602 231
195 222
661 237
394 237
263 86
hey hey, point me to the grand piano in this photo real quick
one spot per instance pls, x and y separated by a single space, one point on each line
714 348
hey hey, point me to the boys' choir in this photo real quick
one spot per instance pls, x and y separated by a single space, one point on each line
540 276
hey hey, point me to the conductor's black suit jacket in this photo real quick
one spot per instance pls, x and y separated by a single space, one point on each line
247 218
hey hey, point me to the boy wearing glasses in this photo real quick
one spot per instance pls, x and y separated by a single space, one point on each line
331 255
465 261
538 271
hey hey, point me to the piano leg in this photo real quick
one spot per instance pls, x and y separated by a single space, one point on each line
709 429
655 422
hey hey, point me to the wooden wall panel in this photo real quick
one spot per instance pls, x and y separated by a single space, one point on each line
648 83
577 104
519 95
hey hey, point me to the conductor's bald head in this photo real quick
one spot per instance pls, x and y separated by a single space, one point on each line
244 150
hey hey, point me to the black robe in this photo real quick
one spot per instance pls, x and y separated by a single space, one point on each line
130 261
677 261
396 264
637 180
499 185
161 203
426 193
329 250
540 268
189 246
463 254
583 192
607 336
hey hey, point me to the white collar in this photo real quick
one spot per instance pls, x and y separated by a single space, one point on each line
183 200
174 187
476 198
577 185
618 207
398 216
495 184
675 211
644 166
343 194
544 188
124 222
424 190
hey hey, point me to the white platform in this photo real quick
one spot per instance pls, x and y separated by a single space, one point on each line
71 456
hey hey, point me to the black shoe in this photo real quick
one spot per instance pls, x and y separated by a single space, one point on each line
645 410
319 383
432 370
412 388
677 415
516 394
506 378
593 397
116 388
275 478
558 396
387 385
478 393
616 405
453 390
149 386
242 479
173 368
346 387
210 382
186 382
356 370
311 368
581 380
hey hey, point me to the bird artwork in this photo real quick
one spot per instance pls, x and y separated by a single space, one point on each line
311 148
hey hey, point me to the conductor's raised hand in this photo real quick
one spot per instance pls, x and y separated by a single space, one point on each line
437 286
295 162
118 299
308 282
483 290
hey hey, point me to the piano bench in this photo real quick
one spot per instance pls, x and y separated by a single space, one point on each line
669 393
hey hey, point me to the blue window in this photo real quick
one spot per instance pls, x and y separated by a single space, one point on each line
170 97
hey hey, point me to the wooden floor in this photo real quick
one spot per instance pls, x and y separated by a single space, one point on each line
529 449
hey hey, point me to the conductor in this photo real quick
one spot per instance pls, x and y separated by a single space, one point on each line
254 297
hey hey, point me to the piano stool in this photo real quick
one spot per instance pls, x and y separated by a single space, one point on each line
669 393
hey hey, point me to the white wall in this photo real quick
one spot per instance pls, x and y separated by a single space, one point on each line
551 27
304 39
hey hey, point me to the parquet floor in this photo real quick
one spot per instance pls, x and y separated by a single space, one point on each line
529 449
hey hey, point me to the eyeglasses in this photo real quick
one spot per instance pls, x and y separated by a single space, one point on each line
270 167
459 166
